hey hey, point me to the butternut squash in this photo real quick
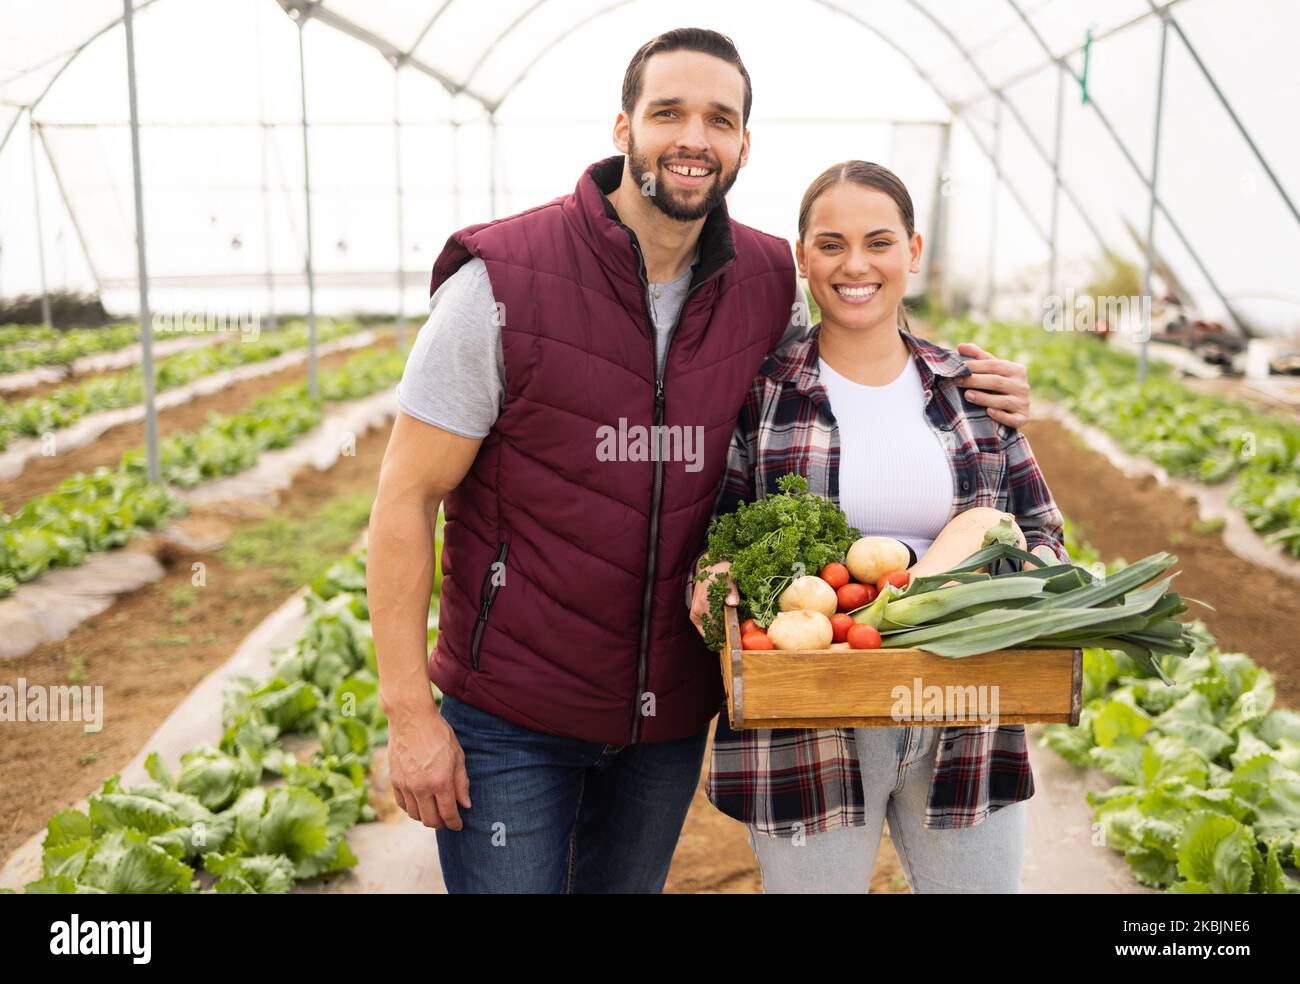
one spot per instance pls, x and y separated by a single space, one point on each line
963 535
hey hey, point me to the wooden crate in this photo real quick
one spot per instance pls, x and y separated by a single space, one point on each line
855 688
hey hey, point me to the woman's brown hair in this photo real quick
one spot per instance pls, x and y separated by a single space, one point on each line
869 176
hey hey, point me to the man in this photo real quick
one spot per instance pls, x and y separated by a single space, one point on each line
577 693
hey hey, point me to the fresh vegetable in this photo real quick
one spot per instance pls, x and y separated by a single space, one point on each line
65 405
87 514
840 625
872 613
801 630
765 541
1056 606
1200 435
810 594
218 810
929 606
748 626
961 537
1207 770
864 637
836 575
871 556
756 640
853 596
898 579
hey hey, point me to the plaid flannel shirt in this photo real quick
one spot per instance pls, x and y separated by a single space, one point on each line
788 780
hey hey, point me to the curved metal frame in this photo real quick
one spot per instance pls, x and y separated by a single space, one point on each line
303 10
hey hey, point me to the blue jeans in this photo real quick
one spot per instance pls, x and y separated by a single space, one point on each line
561 815
897 765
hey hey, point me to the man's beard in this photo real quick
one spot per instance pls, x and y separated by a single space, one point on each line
666 200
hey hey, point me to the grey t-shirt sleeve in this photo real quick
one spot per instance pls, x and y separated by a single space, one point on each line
455 375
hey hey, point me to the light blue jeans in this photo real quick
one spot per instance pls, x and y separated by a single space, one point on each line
897 764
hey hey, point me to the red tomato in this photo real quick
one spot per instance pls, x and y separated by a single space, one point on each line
756 640
871 592
840 625
864 637
898 579
851 596
836 575
748 626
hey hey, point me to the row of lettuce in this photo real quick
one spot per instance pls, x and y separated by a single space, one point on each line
1200 436
1207 798
61 407
245 815
25 347
86 514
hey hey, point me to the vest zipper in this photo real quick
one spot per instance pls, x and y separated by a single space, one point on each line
487 595
656 494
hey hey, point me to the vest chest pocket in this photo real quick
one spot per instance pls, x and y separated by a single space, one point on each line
492 581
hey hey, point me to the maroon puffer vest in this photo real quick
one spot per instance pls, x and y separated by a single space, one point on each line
562 604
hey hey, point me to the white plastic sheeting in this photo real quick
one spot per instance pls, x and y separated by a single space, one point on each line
832 79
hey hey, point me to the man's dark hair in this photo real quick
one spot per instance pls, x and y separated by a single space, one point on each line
683 39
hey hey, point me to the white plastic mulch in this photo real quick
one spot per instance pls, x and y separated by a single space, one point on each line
1211 500
89 427
395 855
50 607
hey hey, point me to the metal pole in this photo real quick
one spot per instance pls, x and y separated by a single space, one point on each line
267 246
263 135
1151 208
1174 227
1170 21
72 212
1052 285
934 267
142 269
990 290
313 382
401 243
40 232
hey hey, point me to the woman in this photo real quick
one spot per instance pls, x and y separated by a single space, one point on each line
901 454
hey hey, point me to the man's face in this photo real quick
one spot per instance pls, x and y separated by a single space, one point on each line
686 141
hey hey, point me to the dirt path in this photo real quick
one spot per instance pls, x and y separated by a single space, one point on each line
151 648
135 651
43 474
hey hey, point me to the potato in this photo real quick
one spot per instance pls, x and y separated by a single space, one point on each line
801 630
810 594
873 556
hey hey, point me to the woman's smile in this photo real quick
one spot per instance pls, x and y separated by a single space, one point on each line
857 293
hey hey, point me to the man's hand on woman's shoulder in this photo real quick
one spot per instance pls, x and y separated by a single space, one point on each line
998 384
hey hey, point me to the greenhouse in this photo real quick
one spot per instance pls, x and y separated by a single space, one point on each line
969 571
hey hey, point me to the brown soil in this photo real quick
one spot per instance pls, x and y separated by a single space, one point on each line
148 652
1132 518
72 379
145 676
43 474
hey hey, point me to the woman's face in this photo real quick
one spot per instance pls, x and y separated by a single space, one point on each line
856 255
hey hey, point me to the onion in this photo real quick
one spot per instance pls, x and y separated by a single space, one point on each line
801 630
873 556
810 594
